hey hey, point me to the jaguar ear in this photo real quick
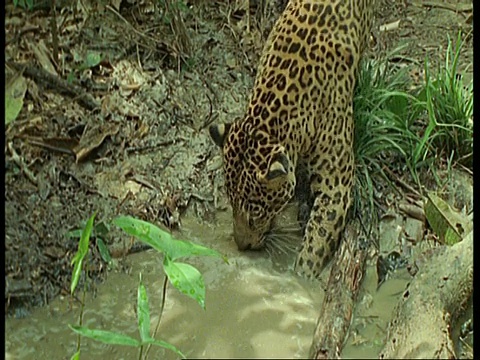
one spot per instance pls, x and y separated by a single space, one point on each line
278 166
219 132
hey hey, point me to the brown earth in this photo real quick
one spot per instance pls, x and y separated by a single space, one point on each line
127 135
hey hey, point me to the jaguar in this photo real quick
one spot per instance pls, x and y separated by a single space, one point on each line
300 111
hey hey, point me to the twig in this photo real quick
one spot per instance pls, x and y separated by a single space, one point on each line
19 161
466 169
142 181
401 182
47 146
440 5
131 26
54 28
57 84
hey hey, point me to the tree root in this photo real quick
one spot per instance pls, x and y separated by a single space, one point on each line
434 299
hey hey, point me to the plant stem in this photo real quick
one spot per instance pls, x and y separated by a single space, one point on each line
82 305
162 306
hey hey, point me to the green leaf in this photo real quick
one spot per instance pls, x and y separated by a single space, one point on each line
14 94
85 238
166 19
161 240
182 6
74 233
70 78
77 270
24 4
76 356
102 229
106 337
143 312
81 252
103 250
165 345
398 105
186 279
92 60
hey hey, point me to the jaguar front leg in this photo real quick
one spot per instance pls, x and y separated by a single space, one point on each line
323 232
331 189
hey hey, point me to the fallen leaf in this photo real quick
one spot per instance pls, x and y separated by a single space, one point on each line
41 53
93 138
447 223
14 94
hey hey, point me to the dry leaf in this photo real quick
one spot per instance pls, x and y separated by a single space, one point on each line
447 223
41 53
93 138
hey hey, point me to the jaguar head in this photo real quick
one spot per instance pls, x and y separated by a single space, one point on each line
259 179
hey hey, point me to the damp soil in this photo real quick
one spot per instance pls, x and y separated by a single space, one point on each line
144 151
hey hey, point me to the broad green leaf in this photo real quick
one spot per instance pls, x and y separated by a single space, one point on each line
81 252
103 250
14 94
161 240
106 337
93 59
186 279
165 345
76 356
143 312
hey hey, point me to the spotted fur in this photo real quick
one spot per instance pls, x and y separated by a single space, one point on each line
300 109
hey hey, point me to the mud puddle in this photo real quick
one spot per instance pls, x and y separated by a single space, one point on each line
255 308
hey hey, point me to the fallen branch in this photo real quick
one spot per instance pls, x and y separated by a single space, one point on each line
56 83
420 328
343 286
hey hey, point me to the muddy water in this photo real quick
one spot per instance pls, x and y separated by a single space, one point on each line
373 311
255 308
